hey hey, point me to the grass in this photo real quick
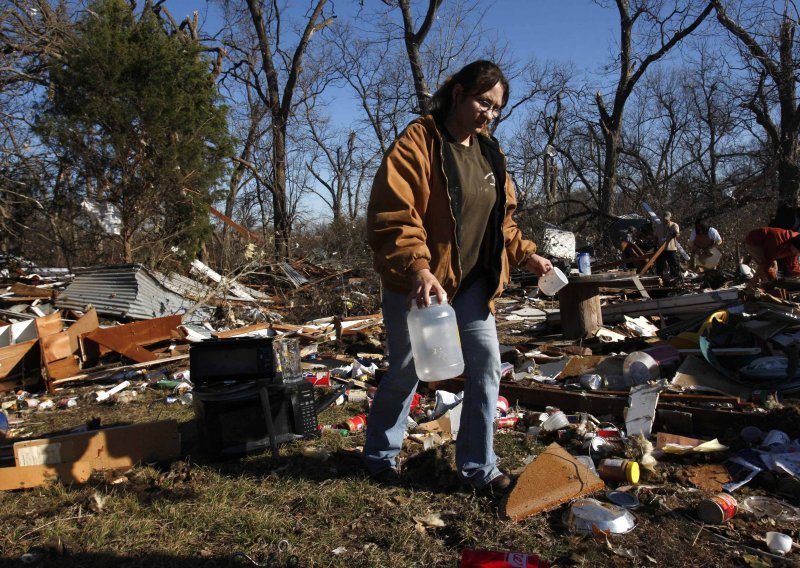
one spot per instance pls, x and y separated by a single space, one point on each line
310 506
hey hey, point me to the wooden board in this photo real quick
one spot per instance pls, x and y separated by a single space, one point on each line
128 339
109 448
12 357
49 324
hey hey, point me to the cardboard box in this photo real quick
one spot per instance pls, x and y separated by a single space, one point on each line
110 448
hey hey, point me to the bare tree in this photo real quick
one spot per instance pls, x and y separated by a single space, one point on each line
280 98
413 38
770 54
339 166
660 26
30 32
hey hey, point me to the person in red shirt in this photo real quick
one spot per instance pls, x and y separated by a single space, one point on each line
766 245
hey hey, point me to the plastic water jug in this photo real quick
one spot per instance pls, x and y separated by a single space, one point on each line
435 344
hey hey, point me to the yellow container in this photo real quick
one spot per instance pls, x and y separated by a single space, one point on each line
619 470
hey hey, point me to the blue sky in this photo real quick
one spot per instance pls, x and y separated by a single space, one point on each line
561 30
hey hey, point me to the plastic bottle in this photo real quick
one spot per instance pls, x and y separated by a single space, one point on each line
435 344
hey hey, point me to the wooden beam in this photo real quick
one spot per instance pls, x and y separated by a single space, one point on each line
653 258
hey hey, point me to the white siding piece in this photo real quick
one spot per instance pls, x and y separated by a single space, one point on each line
234 288
642 409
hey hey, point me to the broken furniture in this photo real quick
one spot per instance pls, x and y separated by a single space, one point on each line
579 303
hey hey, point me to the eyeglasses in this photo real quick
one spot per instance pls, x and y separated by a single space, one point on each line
486 106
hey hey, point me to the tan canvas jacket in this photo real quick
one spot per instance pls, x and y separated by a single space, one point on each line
414 207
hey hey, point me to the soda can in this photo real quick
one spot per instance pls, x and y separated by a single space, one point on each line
497 559
608 433
506 422
717 509
356 423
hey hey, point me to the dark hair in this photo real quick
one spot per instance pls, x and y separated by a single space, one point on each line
475 78
795 242
701 226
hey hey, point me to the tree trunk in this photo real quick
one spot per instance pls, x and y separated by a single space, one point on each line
282 222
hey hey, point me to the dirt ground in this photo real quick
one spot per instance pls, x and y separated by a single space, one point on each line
313 505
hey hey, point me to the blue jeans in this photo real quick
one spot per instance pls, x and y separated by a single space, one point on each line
475 457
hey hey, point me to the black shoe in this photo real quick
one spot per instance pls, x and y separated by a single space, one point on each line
388 476
497 487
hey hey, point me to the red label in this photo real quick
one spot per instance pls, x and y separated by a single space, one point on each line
492 559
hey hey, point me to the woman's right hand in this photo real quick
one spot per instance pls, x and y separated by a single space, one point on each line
425 284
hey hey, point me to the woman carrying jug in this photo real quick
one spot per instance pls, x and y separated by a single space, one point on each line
441 228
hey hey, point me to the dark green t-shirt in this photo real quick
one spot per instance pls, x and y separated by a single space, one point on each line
478 196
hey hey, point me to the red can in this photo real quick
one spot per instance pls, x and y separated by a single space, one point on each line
717 509
493 559
356 423
506 422
608 433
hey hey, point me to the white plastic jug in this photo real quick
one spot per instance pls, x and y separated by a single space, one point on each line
435 344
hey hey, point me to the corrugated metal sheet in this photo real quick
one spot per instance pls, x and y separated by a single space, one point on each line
122 291
293 275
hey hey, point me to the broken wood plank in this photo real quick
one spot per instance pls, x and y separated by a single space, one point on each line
106 371
241 330
20 289
128 339
17 356
704 418
49 324
687 305
656 254
108 448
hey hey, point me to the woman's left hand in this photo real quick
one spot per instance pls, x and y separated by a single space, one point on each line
539 265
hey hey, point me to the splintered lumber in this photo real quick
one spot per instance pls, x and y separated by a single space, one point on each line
653 258
553 478
60 351
128 339
15 356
